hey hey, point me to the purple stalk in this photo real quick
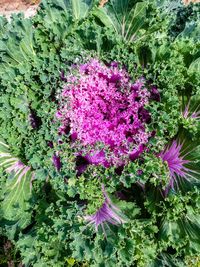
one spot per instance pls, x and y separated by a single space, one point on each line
108 213
188 114
176 163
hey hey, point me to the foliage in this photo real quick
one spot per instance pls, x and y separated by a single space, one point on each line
8 255
184 19
16 192
45 217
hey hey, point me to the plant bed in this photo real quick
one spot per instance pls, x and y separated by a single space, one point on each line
99 134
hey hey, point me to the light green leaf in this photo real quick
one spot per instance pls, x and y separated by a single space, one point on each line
118 15
80 8
195 66
16 193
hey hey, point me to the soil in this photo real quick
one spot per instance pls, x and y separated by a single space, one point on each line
28 7
103 2
187 2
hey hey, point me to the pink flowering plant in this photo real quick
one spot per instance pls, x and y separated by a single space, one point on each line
105 112
100 134
106 115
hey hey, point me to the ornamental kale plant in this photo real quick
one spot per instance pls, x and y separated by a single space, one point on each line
99 134
104 110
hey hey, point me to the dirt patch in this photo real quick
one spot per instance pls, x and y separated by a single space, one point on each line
103 2
28 7
187 2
